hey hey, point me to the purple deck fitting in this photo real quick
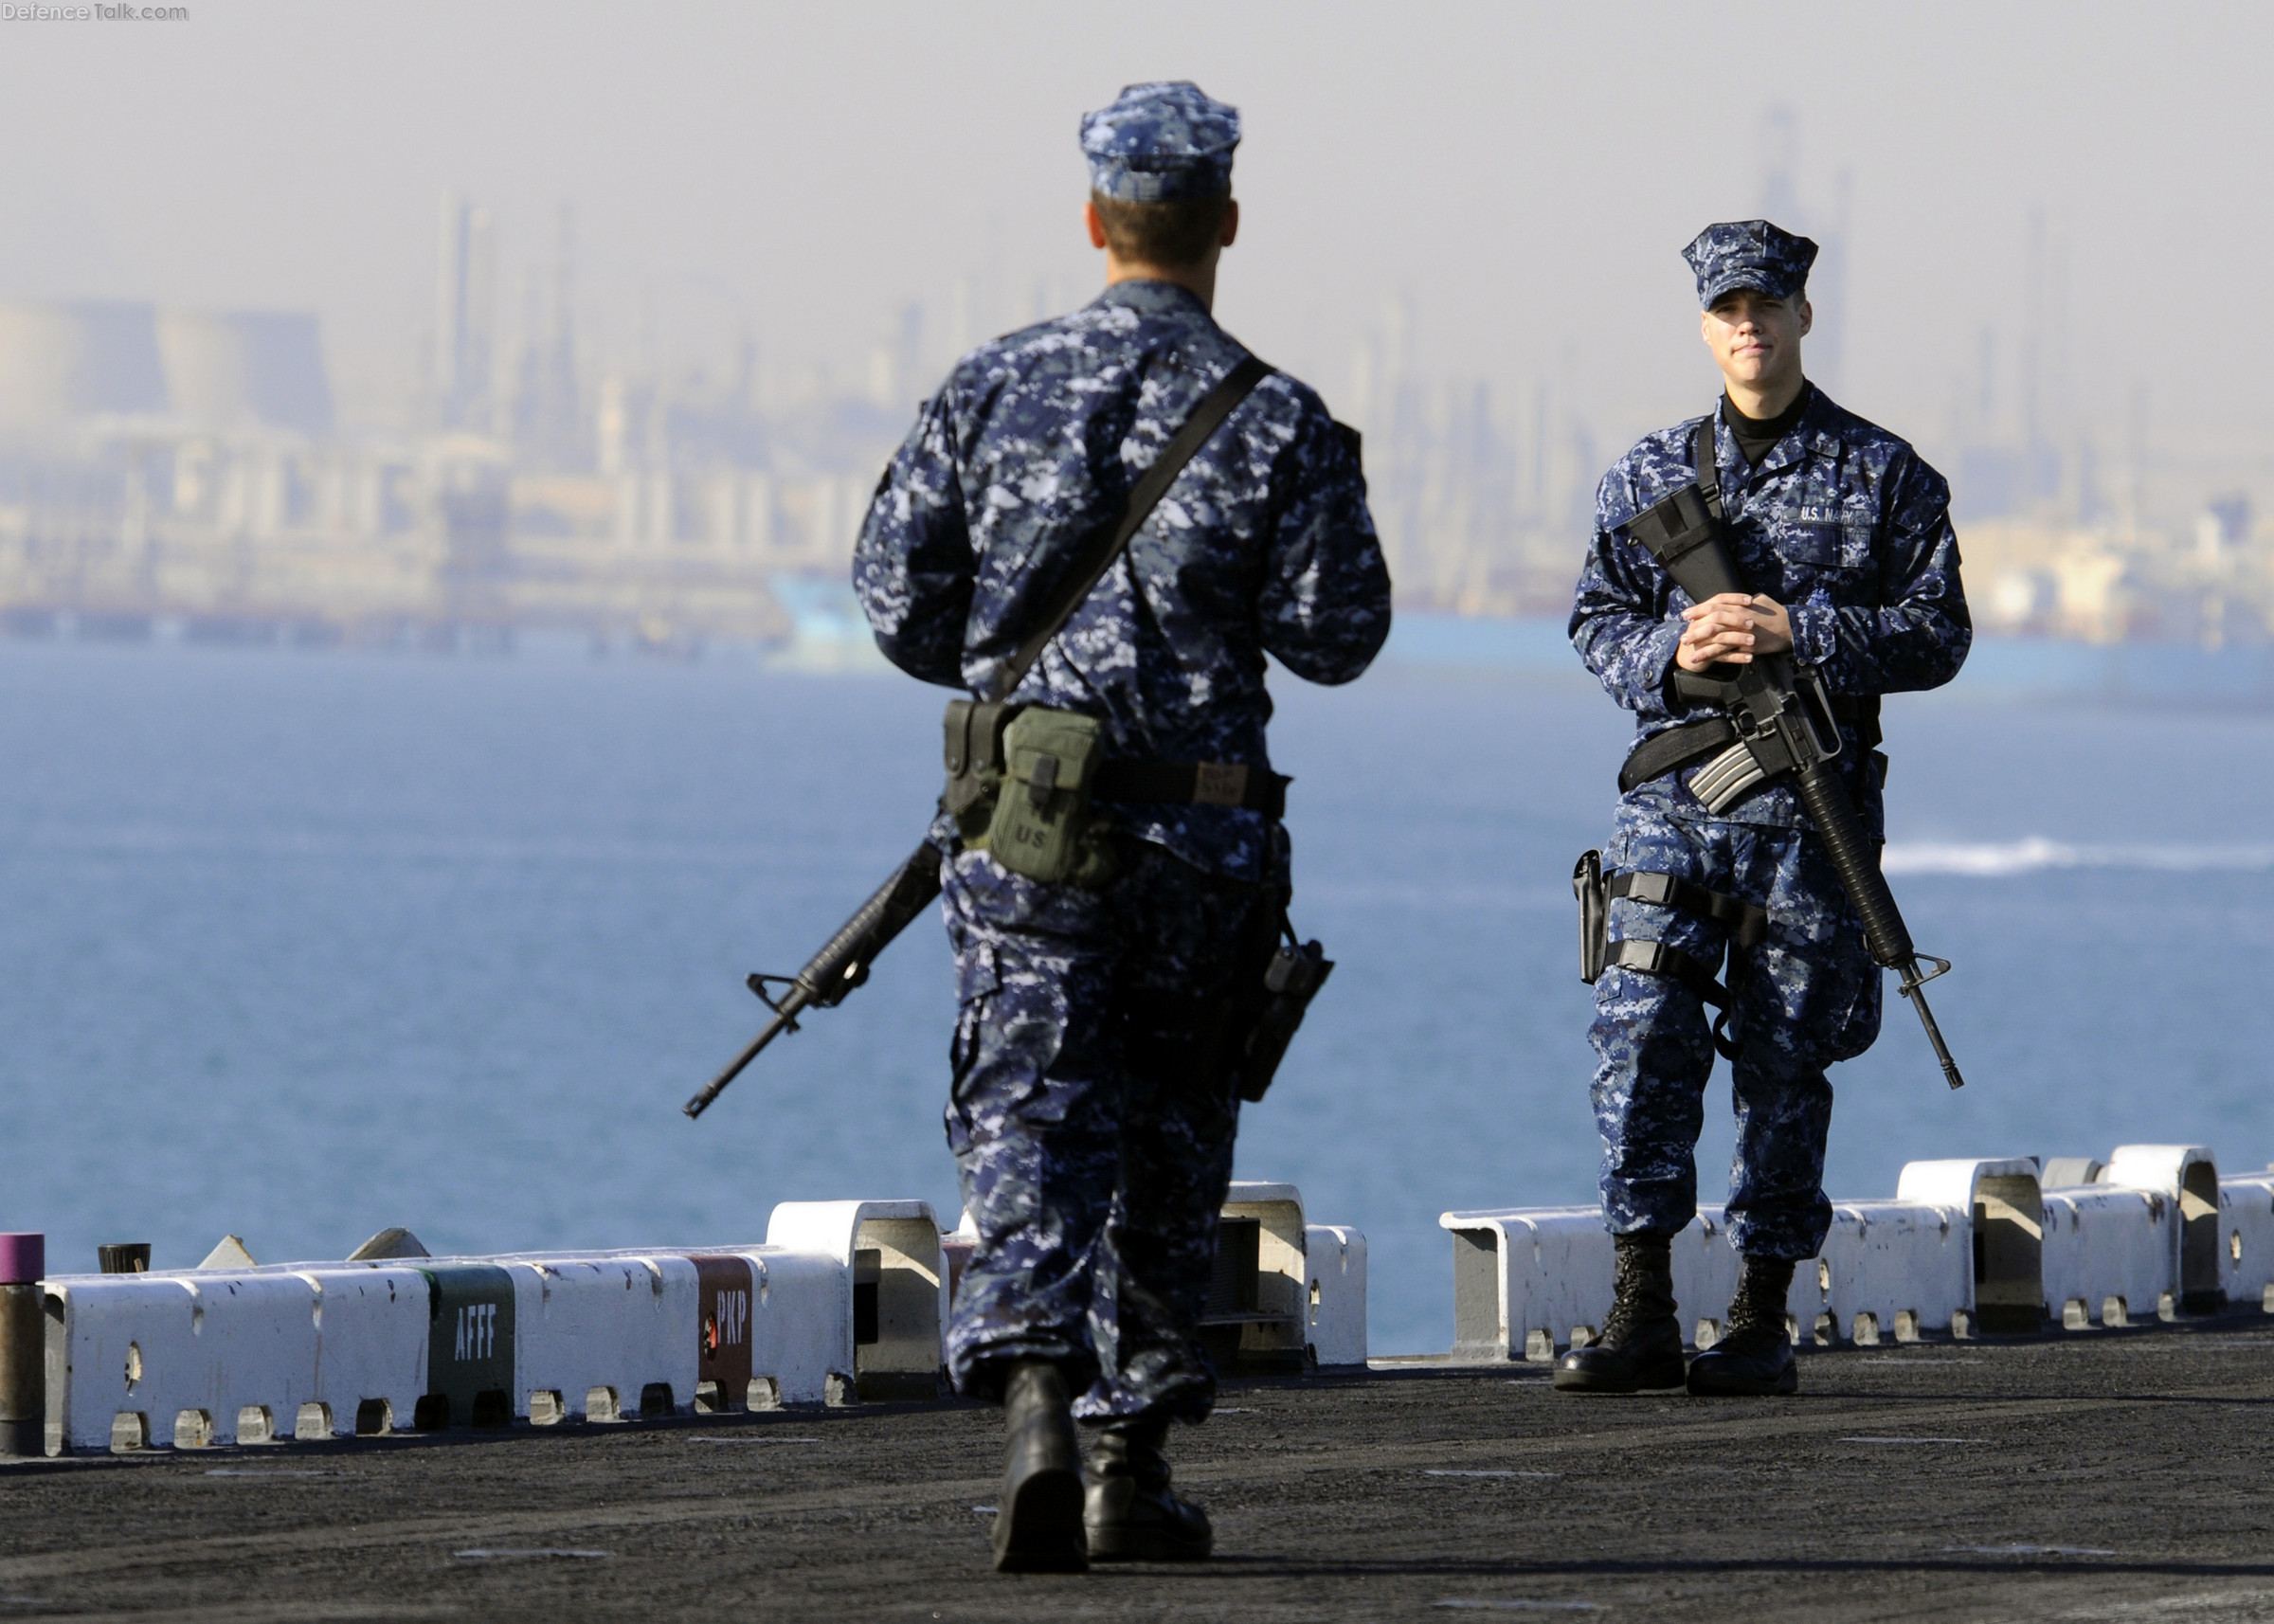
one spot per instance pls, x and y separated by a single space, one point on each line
23 1260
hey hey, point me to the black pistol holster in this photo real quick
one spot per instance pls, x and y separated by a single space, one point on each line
1275 1004
1747 924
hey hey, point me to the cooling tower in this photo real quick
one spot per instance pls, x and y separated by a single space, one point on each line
245 370
61 360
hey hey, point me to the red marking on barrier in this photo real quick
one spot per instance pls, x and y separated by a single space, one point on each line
725 1300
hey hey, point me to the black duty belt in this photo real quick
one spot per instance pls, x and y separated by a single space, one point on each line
1677 747
1196 783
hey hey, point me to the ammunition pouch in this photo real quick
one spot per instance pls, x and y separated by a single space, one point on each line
1047 828
1041 826
974 763
1748 926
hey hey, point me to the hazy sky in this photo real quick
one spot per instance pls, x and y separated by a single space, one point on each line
1526 175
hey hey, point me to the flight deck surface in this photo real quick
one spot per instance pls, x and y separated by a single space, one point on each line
2116 1475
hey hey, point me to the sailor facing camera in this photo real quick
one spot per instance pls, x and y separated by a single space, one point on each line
1838 538
1099 527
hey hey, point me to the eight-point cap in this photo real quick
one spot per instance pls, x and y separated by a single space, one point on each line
1749 254
1159 142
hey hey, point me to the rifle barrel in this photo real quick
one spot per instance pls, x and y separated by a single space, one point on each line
797 999
843 962
1913 990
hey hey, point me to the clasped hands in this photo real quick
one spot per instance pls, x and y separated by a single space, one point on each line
1734 627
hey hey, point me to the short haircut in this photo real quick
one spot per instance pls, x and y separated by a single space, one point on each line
1179 232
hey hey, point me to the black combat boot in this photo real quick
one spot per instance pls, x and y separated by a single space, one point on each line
1038 1517
1131 1514
1641 1345
1754 1356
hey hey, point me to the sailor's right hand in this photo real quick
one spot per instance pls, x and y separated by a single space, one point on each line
1732 627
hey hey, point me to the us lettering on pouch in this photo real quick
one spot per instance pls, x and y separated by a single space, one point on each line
477 1330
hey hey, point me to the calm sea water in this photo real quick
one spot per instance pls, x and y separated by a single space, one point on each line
301 946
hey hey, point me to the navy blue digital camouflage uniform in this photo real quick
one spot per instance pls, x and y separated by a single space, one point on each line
1094 1142
1846 526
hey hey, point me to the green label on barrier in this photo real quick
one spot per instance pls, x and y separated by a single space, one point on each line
470 1340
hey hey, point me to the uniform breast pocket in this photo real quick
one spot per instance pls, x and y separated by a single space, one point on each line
1824 545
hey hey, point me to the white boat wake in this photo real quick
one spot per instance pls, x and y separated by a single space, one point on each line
1996 860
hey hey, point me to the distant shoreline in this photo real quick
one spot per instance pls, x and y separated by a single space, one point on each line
828 638
1535 649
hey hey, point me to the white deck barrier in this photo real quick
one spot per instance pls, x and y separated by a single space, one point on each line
340 1349
2187 1177
600 1337
2246 1250
220 1357
890 1251
2000 1262
2141 1242
799 1348
773 1326
845 1300
1530 1281
1299 1301
1525 1280
371 1353
1966 1247
1335 1259
1527 1283
1259 1315
1889 1272
2107 1255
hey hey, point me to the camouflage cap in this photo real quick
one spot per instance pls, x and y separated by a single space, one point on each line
1749 254
1161 141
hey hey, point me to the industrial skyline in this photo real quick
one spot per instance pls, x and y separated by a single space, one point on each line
666 323
518 473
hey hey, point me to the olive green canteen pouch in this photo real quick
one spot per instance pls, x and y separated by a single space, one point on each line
1042 826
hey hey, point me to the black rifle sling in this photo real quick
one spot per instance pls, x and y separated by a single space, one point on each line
1144 495
1862 709
1702 457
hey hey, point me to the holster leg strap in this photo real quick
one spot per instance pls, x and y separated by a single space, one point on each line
1748 925
1657 959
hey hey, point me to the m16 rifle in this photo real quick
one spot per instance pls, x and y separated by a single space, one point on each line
1267 1009
840 965
1782 719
